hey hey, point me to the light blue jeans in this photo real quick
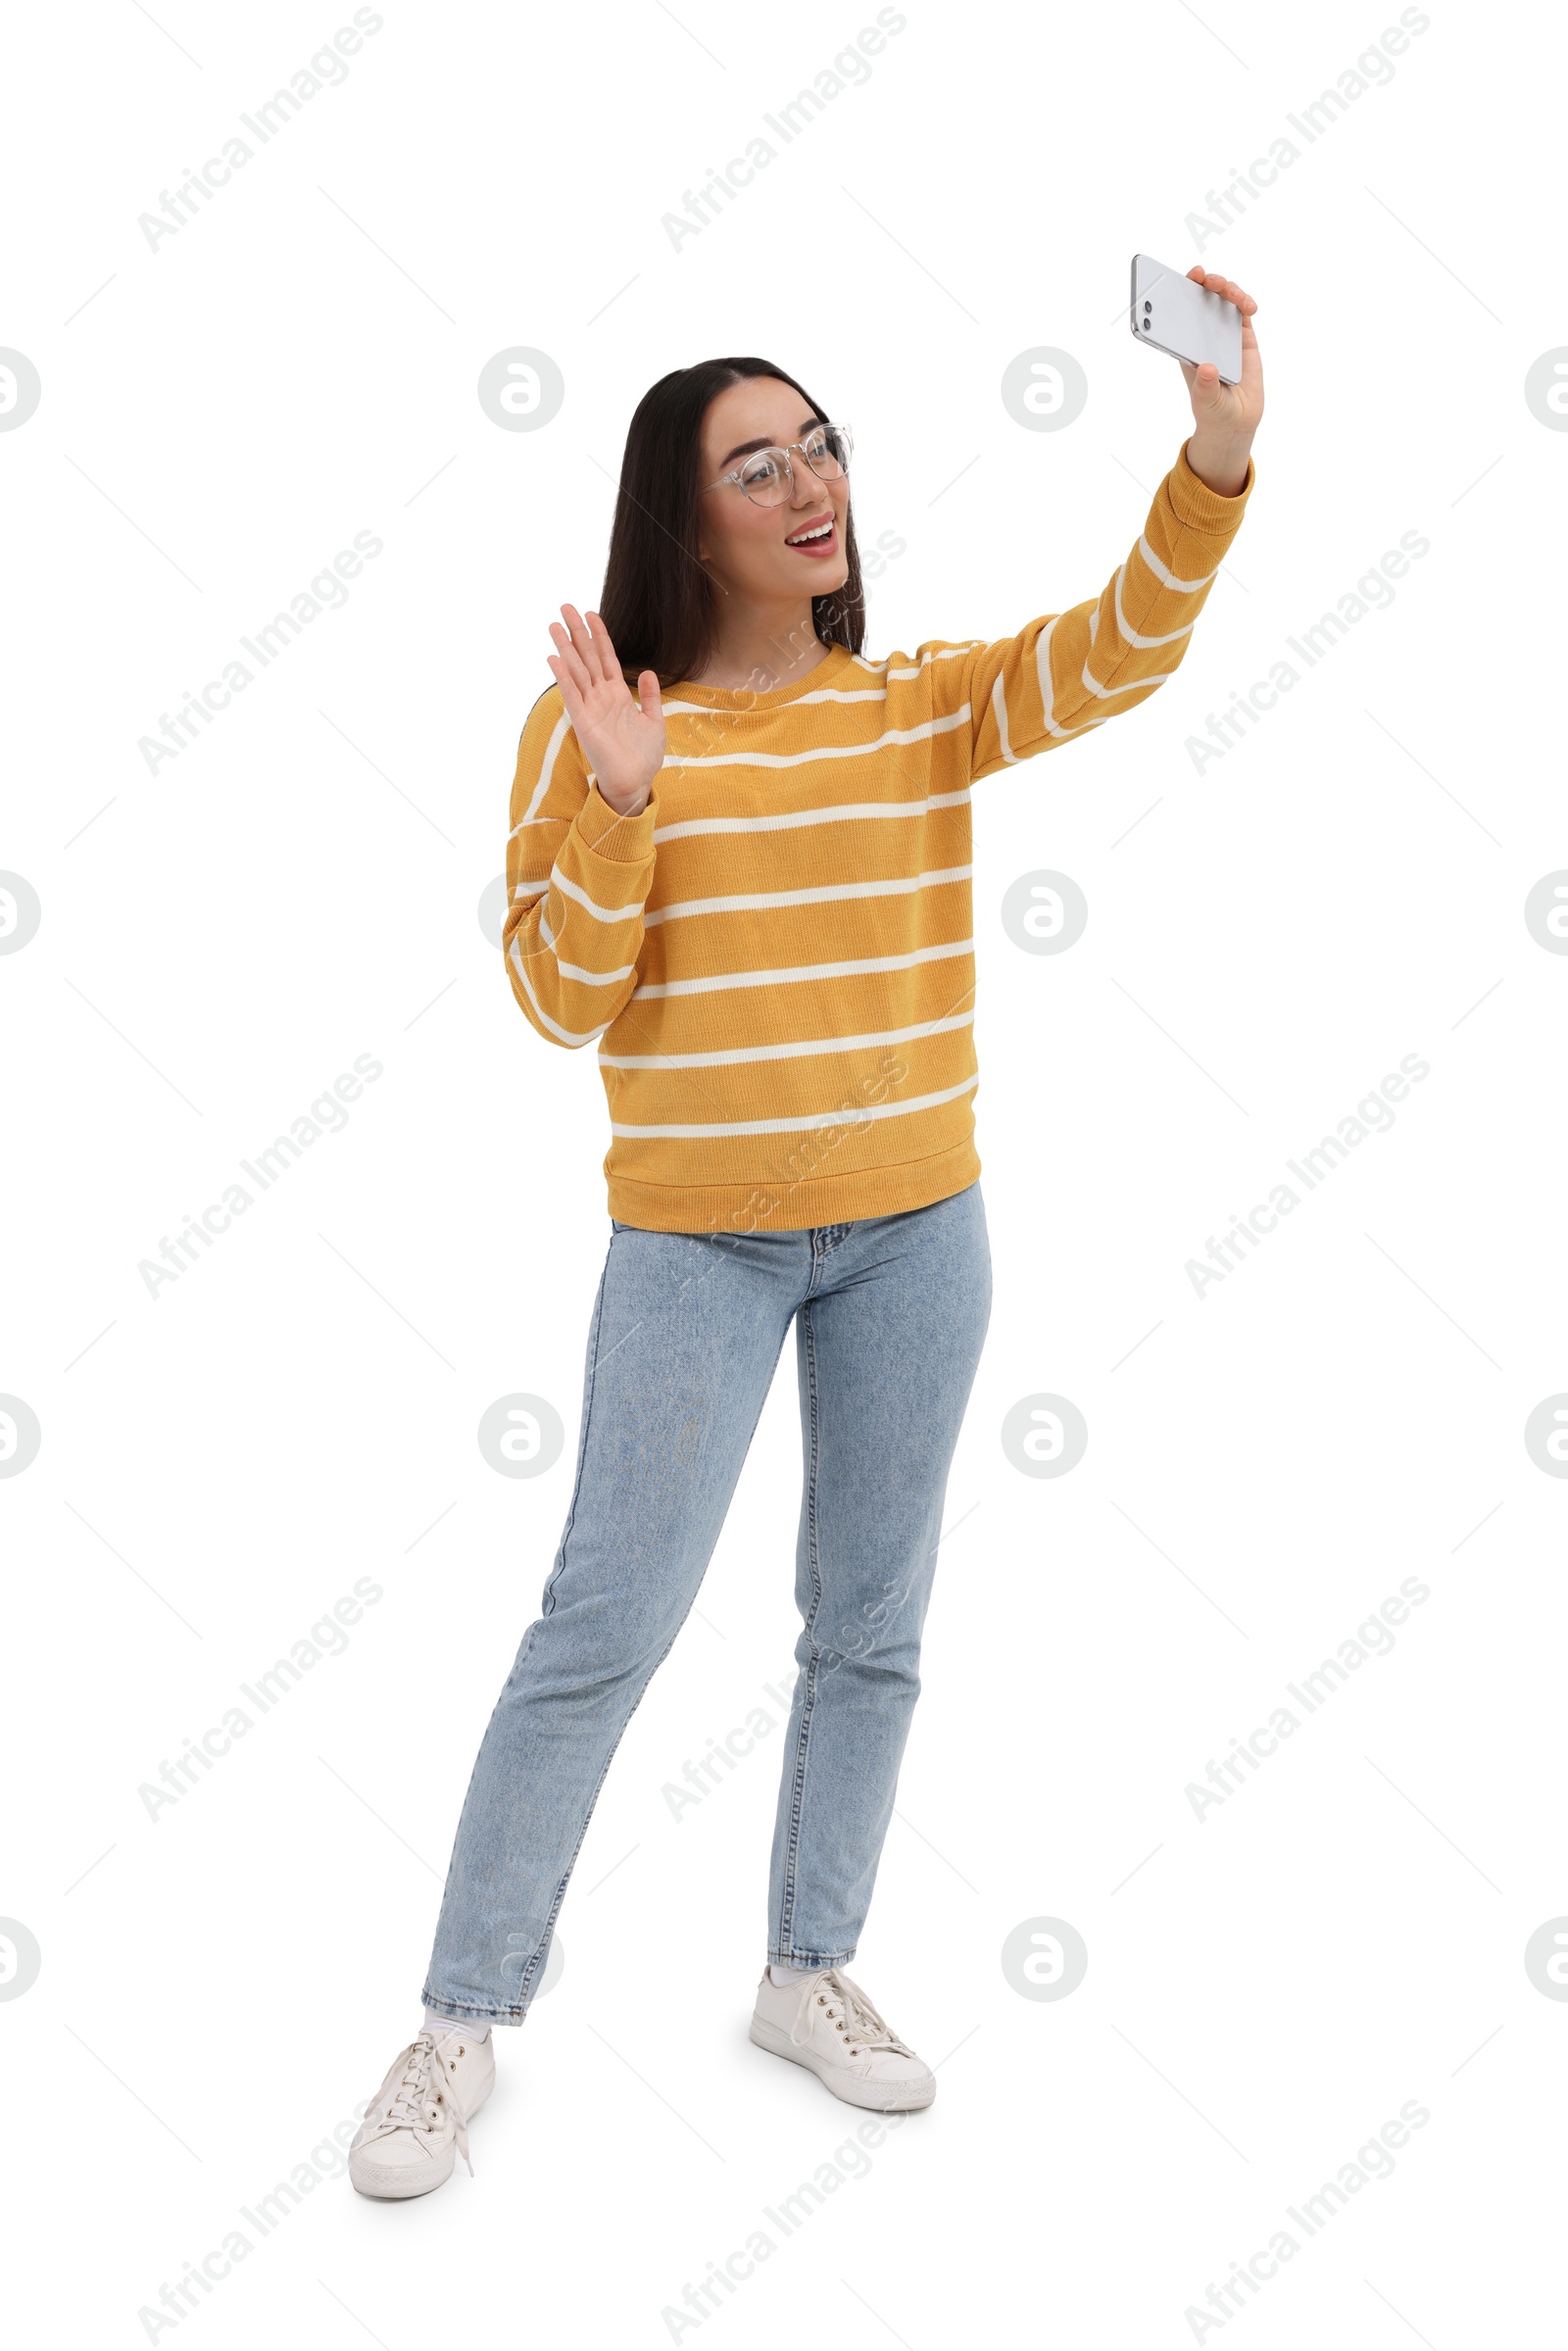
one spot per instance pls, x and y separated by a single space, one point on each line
890 1315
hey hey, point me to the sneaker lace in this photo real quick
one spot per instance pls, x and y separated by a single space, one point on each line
422 2088
863 2028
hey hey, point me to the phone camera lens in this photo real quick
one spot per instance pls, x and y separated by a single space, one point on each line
1149 305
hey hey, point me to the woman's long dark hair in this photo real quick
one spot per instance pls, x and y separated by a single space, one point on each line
659 601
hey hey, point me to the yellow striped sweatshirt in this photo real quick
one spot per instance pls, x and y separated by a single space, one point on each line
776 954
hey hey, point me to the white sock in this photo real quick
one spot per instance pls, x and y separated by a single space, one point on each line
445 2024
783 1976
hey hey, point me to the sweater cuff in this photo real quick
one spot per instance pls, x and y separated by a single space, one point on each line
625 840
1201 508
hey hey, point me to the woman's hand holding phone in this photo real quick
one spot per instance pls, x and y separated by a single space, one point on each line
1225 416
623 735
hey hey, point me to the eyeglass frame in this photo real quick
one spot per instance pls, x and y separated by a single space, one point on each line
780 449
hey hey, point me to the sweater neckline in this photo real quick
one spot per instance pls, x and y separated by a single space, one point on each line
724 698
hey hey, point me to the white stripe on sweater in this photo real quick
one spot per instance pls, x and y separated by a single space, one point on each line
940 652
1130 635
895 735
1168 580
795 1126
1155 677
756 824
803 971
591 905
852 813
1048 691
753 902
547 766
785 1053
703 709
999 710
567 1036
577 972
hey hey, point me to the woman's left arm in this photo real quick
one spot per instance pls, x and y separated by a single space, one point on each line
1066 672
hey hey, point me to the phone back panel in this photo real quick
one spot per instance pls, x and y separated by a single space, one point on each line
1177 315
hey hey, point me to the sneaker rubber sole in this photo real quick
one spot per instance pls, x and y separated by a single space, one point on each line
883 2098
373 2178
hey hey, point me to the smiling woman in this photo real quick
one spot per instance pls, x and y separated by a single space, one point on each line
715 480
739 855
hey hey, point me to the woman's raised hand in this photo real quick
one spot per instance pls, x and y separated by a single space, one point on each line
623 736
1225 416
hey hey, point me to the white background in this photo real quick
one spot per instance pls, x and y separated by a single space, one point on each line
221 1985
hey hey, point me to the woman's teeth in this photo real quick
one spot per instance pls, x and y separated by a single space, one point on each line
818 530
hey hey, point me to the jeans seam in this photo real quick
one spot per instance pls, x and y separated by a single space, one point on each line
525 1984
809 1694
547 1600
588 1812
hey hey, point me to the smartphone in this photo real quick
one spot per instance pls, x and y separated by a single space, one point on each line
1178 315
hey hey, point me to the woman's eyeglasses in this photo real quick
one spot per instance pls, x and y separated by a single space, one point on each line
767 476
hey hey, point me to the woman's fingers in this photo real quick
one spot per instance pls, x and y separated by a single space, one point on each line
581 640
606 650
1217 283
572 628
584 643
570 656
570 696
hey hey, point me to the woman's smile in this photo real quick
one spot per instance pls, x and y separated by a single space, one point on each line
818 537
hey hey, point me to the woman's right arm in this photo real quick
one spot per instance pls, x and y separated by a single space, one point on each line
580 846
577 878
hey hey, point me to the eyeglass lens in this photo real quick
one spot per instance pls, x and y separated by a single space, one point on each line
764 477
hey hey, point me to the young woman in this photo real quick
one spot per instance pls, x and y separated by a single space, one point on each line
746 874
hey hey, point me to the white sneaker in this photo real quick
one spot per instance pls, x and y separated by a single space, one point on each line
828 2024
407 2143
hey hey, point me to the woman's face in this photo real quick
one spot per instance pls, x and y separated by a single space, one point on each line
746 546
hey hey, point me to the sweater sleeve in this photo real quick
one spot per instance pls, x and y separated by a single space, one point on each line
577 880
1066 672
